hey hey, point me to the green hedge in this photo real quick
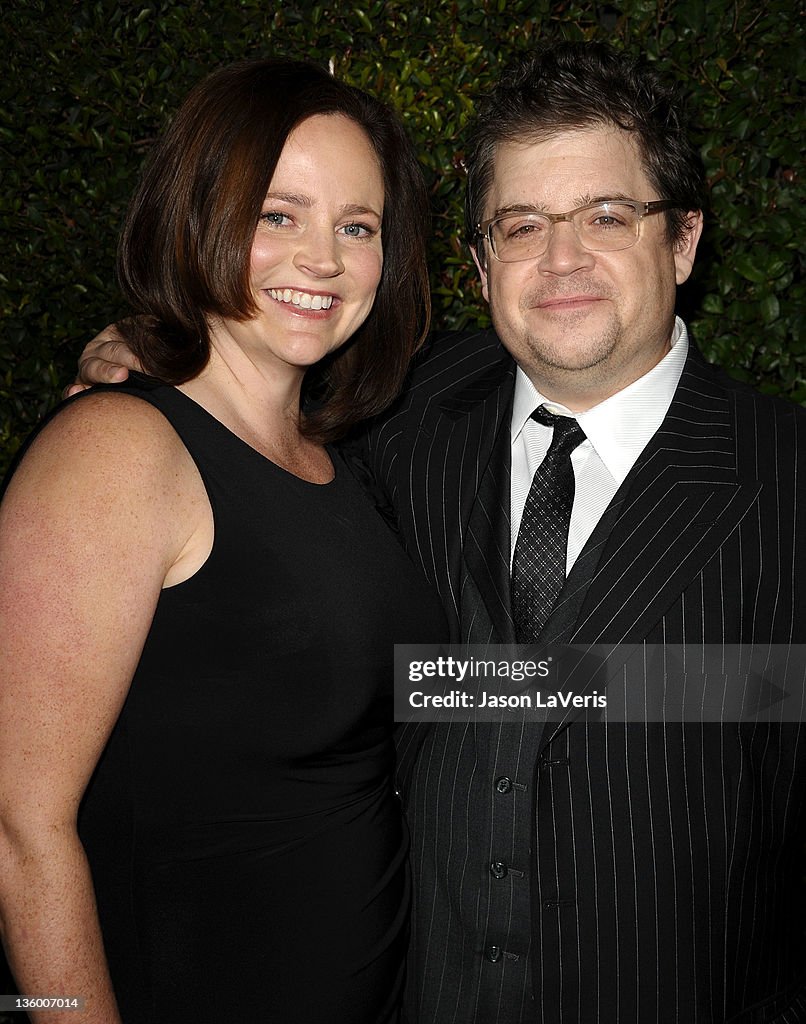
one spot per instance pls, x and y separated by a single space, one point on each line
87 86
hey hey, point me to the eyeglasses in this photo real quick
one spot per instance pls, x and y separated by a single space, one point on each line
601 227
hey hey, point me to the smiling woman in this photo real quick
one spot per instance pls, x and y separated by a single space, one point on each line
185 250
324 254
197 818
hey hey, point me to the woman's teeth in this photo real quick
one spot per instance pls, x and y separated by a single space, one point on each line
302 299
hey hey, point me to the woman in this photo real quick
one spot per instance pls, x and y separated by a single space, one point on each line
197 601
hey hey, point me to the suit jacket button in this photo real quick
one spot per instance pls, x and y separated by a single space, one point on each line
498 869
493 954
503 785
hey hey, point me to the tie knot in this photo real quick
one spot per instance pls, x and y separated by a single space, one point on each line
566 429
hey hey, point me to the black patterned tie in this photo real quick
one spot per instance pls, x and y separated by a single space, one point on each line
538 565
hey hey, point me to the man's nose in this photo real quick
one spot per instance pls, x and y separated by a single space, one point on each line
565 253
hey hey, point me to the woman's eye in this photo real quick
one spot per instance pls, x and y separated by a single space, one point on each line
275 219
357 230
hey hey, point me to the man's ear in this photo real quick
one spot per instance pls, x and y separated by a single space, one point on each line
686 248
482 269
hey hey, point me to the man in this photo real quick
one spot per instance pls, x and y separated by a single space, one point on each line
580 872
619 873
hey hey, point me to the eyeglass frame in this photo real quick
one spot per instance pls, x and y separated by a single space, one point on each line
647 208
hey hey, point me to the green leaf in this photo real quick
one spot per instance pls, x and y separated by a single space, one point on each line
748 269
770 308
363 19
712 303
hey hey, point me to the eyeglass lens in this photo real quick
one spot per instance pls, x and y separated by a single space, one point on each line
609 226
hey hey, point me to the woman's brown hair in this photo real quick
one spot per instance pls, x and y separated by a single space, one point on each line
185 248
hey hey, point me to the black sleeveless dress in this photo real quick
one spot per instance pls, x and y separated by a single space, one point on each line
246 845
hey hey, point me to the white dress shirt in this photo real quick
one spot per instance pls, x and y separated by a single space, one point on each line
617 431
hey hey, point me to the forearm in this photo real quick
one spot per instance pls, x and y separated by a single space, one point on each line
50 929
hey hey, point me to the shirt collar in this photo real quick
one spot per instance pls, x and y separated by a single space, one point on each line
620 427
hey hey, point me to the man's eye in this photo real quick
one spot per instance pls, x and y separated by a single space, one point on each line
522 228
610 217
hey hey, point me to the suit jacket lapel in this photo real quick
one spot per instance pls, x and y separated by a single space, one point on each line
483 408
486 548
676 507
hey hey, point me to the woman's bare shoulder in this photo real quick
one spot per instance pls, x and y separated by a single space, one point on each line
104 436
109 462
101 419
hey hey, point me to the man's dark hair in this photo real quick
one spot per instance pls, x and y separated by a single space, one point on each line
571 86
184 253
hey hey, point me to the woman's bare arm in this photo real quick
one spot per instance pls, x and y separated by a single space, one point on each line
101 508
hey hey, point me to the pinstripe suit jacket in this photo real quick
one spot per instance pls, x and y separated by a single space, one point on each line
650 873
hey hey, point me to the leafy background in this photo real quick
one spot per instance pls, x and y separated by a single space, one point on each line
87 87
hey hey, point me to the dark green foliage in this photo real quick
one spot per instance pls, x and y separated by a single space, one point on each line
87 86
